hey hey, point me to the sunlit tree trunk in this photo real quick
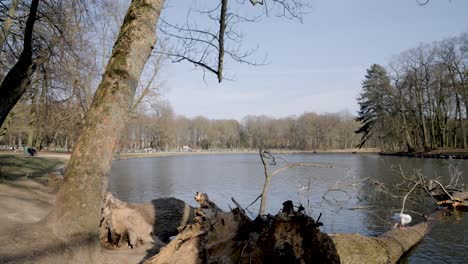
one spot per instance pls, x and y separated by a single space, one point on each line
77 210
422 119
458 116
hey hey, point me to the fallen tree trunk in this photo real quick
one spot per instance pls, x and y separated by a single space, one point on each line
288 237
386 248
131 225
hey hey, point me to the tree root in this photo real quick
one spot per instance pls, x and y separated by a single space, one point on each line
131 225
231 237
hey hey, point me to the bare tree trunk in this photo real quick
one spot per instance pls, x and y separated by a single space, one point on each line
222 29
6 126
19 77
41 120
8 22
423 121
409 141
32 118
460 123
77 211
386 248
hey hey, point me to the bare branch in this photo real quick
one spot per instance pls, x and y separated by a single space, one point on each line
406 196
265 154
421 3
222 30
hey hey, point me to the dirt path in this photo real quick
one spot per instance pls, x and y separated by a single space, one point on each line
25 199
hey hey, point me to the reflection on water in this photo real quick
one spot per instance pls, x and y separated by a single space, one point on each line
350 205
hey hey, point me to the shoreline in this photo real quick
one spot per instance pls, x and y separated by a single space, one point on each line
124 156
433 154
136 155
428 155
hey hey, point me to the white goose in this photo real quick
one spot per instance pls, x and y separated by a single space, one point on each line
402 219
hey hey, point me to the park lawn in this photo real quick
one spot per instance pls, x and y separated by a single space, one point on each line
14 167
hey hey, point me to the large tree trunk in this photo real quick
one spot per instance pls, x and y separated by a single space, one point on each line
78 208
409 142
19 77
386 248
71 231
288 237
422 119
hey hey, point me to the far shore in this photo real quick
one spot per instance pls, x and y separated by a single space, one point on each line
241 151
136 155
433 154
440 153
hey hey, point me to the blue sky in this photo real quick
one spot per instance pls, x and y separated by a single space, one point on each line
316 66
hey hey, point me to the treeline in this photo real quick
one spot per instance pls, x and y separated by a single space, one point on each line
165 131
162 130
420 102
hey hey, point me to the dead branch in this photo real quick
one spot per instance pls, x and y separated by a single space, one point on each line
406 196
265 154
266 184
434 188
442 187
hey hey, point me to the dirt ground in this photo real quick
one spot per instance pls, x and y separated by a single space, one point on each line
25 198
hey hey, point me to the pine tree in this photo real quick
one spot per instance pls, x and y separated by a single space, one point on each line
374 102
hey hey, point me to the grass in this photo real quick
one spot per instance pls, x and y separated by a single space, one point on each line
13 167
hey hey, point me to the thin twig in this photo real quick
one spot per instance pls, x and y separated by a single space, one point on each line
406 196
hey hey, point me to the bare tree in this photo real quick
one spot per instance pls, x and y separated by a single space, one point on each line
18 78
208 46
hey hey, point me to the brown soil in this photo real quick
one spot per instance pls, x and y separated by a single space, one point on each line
25 234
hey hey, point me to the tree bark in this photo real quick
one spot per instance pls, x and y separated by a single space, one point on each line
222 29
232 238
422 119
8 22
19 77
78 208
288 237
130 225
386 248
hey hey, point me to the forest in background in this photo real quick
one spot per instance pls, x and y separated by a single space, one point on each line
163 130
420 102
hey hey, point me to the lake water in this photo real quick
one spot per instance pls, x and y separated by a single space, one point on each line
355 206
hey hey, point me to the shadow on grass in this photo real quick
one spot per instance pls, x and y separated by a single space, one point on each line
14 167
54 250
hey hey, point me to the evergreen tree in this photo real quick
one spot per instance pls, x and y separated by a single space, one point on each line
374 98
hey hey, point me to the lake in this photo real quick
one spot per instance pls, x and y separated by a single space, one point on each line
350 206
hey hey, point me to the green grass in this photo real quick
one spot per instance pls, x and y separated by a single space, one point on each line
13 167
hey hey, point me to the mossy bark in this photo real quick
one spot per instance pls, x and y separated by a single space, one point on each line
78 209
386 248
